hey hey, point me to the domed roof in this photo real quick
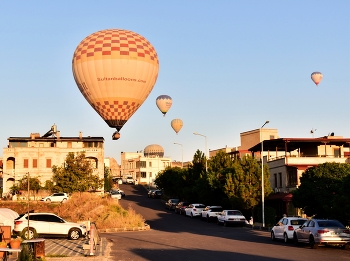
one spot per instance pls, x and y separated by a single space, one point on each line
154 150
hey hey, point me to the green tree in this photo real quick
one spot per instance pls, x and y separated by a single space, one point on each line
171 181
76 174
108 182
34 185
322 192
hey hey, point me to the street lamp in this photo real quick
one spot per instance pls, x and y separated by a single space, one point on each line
182 148
262 177
206 150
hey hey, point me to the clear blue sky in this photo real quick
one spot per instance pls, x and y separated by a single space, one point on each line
228 65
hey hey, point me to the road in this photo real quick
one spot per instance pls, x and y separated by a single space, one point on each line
173 237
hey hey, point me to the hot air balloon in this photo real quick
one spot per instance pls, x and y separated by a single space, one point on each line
176 124
115 70
164 103
316 77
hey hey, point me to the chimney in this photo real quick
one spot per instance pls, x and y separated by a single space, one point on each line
58 134
80 135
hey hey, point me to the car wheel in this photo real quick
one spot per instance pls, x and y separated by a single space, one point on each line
313 245
273 238
285 238
74 234
295 239
208 219
48 200
347 246
29 235
191 215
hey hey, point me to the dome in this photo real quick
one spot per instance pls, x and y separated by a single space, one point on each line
154 150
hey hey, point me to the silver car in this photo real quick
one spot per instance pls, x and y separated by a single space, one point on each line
322 232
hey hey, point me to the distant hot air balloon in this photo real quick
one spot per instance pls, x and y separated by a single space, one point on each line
316 77
164 103
115 71
176 124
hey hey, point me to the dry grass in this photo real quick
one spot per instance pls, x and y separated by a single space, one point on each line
105 212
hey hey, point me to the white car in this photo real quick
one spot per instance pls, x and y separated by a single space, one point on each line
47 224
56 197
285 227
231 217
211 212
194 210
115 194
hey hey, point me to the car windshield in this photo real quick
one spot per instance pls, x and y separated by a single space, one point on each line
297 222
216 209
330 223
199 206
234 213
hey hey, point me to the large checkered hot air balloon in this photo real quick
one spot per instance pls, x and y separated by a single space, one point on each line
316 77
115 70
164 103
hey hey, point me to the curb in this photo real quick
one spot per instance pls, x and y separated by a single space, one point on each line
124 229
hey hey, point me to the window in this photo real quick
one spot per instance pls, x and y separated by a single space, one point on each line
275 176
48 163
143 174
280 177
69 144
25 163
150 164
35 163
292 177
150 174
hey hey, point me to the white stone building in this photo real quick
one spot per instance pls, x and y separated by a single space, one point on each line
145 166
37 154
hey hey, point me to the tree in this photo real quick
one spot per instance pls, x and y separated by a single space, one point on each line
171 181
34 185
76 174
322 192
108 182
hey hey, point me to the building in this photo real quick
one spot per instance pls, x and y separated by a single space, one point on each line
144 166
37 154
288 158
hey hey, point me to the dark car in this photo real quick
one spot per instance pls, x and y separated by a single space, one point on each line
149 194
180 208
171 203
157 194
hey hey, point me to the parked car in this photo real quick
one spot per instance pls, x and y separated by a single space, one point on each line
157 194
231 217
194 210
322 232
120 191
56 197
47 224
129 180
285 227
115 194
211 212
180 207
171 203
149 194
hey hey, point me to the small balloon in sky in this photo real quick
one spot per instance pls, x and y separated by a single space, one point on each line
177 124
115 70
316 77
164 103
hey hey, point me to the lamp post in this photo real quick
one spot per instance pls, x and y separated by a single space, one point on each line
206 150
182 149
262 177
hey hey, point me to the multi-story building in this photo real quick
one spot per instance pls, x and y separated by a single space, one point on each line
37 154
144 167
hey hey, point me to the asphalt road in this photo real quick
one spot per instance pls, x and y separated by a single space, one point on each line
173 237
